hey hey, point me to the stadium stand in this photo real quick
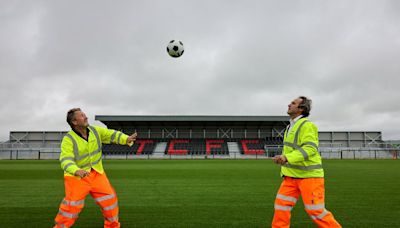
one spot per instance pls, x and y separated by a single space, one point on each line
232 137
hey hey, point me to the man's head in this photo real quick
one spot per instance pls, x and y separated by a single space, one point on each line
299 106
77 119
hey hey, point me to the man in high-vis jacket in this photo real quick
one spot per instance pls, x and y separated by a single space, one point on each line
301 169
81 160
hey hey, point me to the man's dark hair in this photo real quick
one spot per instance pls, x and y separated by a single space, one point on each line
71 116
305 105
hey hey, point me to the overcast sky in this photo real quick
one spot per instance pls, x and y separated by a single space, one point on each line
241 58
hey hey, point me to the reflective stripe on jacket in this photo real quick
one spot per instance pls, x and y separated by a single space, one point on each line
77 153
301 151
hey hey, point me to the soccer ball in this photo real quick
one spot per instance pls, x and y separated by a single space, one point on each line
175 48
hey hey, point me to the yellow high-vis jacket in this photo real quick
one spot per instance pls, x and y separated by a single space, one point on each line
300 147
77 153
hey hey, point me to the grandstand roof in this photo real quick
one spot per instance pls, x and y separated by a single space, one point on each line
190 120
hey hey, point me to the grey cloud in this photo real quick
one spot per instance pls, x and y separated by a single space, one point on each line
241 58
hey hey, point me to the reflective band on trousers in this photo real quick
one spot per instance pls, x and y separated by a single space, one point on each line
314 206
104 198
320 216
68 215
110 207
73 203
287 198
310 167
112 219
282 208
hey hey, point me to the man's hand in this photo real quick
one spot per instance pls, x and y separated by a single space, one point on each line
81 173
279 159
131 139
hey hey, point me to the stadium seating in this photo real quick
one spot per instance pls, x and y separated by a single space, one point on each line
197 146
141 147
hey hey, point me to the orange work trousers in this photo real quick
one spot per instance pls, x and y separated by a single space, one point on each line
77 189
312 191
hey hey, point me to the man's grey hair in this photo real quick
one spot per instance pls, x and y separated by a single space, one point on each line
305 105
71 116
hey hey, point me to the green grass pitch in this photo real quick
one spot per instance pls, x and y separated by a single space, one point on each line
201 193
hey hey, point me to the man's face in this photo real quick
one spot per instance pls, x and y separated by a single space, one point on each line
80 119
293 107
